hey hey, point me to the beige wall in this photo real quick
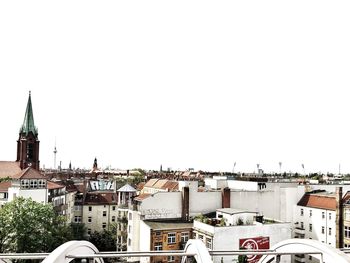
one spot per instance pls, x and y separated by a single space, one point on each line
97 216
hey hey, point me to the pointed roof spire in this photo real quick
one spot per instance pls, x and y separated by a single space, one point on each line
28 123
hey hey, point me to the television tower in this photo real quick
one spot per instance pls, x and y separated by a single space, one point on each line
54 159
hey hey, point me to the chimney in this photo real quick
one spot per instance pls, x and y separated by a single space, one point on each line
226 197
339 221
185 203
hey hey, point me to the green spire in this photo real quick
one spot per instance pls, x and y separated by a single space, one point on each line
28 123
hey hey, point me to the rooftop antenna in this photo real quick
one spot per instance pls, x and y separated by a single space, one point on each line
54 159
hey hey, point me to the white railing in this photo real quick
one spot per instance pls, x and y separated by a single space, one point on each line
194 247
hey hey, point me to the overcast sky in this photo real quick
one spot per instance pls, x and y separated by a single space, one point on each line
185 84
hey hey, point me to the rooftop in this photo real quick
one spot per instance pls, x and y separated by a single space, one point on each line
321 201
154 225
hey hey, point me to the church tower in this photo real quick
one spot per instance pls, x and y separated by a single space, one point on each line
28 142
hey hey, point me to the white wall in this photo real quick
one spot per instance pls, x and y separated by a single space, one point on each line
242 185
162 205
204 202
317 223
134 234
145 236
38 195
215 183
277 204
227 238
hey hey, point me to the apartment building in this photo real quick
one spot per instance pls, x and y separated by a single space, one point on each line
164 235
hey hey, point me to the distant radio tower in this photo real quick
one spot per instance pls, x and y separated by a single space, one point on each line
54 159
280 164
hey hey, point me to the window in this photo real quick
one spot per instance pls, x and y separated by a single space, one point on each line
158 246
89 231
171 258
34 183
322 230
323 215
310 257
104 213
301 211
330 231
104 225
77 207
347 215
90 208
310 227
113 208
330 216
347 231
77 219
113 218
208 243
130 216
158 233
41 183
185 237
25 183
310 213
201 237
171 238
129 230
302 225
89 219
129 242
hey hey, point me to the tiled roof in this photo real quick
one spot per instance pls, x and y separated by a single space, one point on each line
160 184
171 185
29 173
52 185
151 183
101 198
9 169
142 197
4 186
327 202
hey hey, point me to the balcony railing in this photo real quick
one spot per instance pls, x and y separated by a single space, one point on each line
85 250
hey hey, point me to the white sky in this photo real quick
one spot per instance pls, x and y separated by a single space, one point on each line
199 84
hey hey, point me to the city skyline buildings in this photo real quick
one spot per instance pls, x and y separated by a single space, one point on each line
138 87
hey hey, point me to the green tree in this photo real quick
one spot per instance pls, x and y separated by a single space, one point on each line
78 231
27 227
105 240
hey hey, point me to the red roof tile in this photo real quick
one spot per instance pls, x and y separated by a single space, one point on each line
52 185
142 197
29 173
101 198
4 186
318 201
9 169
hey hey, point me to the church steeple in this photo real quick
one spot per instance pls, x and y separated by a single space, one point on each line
28 122
28 142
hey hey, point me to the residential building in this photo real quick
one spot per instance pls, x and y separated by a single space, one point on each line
164 235
232 229
315 217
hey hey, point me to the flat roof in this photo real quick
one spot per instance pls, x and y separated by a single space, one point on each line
167 225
